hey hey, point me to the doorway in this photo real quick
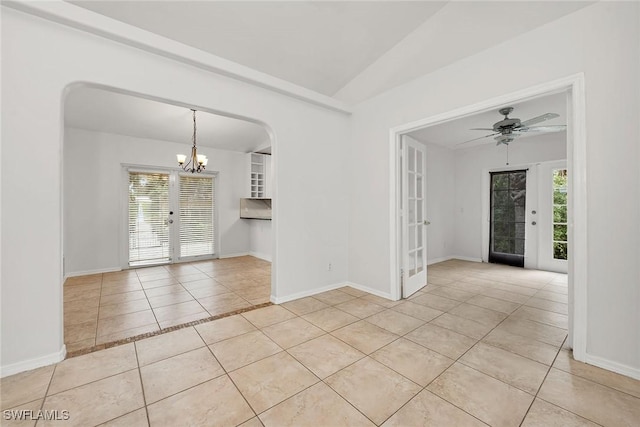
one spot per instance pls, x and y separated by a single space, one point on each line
508 217
573 87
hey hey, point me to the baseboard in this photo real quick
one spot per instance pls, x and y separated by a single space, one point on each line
437 260
367 289
308 293
234 255
89 272
466 258
266 257
610 365
38 362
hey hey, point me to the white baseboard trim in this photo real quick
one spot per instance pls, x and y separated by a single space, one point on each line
448 258
437 260
89 272
610 365
37 362
375 292
266 257
234 255
308 293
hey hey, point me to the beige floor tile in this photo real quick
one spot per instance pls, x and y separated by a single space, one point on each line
268 316
478 314
418 311
469 287
81 292
395 322
80 331
462 326
552 296
304 305
157 282
121 288
360 307
330 318
223 303
429 410
199 284
381 301
590 400
120 298
170 299
177 373
506 296
137 418
209 291
253 422
451 293
438 280
111 325
543 414
90 279
567 363
25 387
90 367
80 345
82 304
239 351
270 381
523 346
333 297
199 315
545 304
255 292
417 363
125 307
292 332
364 336
127 333
515 289
160 347
12 417
441 340
542 316
216 402
494 304
492 401
353 291
80 315
366 385
222 329
176 311
191 276
505 366
325 355
99 401
436 302
534 330
318 405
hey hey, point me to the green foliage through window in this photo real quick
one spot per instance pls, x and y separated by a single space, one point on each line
560 214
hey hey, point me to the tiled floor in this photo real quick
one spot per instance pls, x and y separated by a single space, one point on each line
480 345
108 307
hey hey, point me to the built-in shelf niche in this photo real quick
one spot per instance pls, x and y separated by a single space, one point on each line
255 208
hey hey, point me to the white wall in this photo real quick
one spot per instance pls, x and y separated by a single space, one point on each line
260 238
602 41
471 166
93 195
39 60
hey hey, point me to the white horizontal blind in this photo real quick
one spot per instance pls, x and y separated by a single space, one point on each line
197 232
148 214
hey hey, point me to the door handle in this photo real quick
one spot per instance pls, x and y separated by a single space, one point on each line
533 223
426 222
168 221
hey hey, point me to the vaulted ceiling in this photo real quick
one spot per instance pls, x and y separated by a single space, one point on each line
351 50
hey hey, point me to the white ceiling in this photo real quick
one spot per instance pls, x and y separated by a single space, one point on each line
104 111
348 49
451 134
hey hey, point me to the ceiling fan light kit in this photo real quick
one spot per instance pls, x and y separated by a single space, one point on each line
507 130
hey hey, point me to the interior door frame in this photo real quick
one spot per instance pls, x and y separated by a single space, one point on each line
574 86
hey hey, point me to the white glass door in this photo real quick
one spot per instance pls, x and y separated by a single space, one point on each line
414 230
554 217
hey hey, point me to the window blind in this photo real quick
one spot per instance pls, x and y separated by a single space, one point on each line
197 234
148 213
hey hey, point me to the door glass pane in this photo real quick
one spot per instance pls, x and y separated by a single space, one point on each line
419 162
196 216
560 214
412 237
419 235
412 211
419 213
148 218
419 263
411 161
412 263
419 186
508 215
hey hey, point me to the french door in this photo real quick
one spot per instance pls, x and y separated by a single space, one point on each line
170 217
508 217
413 208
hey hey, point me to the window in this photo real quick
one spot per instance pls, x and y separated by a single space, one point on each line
196 216
560 214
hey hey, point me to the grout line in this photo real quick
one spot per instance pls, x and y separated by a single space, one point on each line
144 397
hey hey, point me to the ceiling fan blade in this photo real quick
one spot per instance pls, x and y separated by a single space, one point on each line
481 129
555 128
475 139
539 119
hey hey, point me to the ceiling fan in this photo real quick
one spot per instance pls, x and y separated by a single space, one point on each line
507 130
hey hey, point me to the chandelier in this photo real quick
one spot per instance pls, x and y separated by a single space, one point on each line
197 162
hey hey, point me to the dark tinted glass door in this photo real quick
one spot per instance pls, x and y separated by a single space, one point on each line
507 229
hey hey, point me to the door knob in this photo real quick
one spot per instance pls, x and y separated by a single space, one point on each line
426 222
533 223
170 221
